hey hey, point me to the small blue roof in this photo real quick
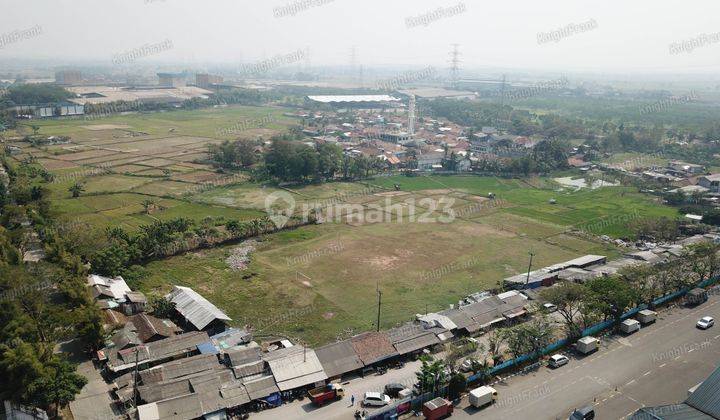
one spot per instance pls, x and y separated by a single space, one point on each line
208 348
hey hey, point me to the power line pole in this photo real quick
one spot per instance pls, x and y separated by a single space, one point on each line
527 280
502 103
379 304
135 379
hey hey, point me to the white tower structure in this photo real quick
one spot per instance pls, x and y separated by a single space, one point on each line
411 116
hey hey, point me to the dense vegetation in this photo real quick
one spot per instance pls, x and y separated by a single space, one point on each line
43 303
289 160
34 94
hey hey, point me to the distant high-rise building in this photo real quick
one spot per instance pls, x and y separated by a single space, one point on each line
172 79
205 80
68 77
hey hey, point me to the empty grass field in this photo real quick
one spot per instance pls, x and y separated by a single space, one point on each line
319 282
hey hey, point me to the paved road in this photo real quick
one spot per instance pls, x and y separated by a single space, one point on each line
654 366
341 409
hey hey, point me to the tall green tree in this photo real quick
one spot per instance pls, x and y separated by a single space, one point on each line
568 297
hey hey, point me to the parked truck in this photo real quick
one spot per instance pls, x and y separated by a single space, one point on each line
696 297
629 326
330 392
646 316
587 345
480 397
437 409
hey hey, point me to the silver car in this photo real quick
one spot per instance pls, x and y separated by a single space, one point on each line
557 360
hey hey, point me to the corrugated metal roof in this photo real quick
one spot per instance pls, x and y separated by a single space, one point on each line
249 369
242 355
416 343
707 397
353 98
116 288
182 367
261 388
338 358
180 408
195 308
670 412
163 391
295 367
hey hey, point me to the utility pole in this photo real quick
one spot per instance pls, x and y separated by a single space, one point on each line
502 103
379 303
527 281
135 379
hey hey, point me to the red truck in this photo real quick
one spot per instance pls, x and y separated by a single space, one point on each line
325 393
437 409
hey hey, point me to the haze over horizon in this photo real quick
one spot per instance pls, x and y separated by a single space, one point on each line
637 35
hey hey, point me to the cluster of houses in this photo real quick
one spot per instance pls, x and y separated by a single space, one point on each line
195 365
396 138
489 142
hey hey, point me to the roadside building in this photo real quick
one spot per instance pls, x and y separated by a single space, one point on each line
411 338
373 347
338 359
295 367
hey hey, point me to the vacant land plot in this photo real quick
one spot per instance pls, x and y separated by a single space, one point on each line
324 277
125 159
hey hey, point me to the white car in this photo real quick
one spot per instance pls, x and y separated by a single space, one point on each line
557 360
705 323
375 399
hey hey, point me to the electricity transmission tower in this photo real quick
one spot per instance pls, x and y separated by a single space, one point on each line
455 65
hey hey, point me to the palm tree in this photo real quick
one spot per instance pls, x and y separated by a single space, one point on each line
76 189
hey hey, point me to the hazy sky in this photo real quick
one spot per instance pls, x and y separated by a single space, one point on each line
632 36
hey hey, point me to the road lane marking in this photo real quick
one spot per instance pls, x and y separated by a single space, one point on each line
647 373
663 365
630 382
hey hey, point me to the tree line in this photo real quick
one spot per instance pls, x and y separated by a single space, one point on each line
43 303
287 159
